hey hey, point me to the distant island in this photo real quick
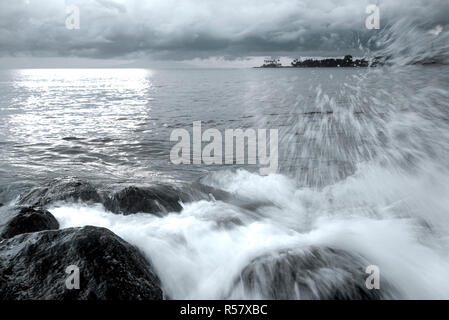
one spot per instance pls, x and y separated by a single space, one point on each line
346 62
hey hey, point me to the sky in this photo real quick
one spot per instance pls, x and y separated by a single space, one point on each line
235 33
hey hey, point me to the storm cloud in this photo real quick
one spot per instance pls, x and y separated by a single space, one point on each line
189 29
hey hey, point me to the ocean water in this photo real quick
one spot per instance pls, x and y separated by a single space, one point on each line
363 164
116 123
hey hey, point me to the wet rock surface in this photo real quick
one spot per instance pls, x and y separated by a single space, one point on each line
221 195
24 220
158 199
61 189
315 273
33 266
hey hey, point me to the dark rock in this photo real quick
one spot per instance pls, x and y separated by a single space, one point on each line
221 195
32 266
24 220
207 190
1 204
157 199
316 273
61 189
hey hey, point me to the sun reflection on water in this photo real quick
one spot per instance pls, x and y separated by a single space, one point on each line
84 116
76 102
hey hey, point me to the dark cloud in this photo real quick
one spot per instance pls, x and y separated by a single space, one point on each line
188 29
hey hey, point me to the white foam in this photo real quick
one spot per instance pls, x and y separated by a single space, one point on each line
197 257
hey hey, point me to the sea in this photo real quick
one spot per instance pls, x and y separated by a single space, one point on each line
362 166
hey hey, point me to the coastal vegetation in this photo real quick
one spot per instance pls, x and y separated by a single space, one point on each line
346 61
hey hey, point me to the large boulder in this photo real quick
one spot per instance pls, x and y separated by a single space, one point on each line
307 274
157 199
61 189
24 220
33 266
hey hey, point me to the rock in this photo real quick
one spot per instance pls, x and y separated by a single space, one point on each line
157 199
61 189
250 205
315 273
32 266
24 220
1 204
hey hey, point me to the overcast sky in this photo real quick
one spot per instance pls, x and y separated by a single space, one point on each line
139 32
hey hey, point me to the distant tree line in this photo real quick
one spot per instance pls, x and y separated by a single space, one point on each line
347 61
